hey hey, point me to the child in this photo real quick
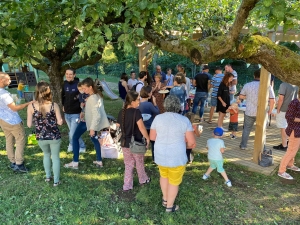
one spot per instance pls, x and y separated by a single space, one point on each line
20 88
234 116
215 149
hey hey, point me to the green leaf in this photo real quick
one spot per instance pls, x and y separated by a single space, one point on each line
267 3
28 31
143 4
107 32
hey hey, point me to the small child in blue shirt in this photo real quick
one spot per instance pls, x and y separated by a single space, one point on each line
216 147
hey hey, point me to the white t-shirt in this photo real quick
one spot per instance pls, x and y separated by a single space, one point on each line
139 86
170 145
131 82
6 113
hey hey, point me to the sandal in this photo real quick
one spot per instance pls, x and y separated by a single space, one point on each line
71 165
146 182
174 208
164 203
48 179
98 163
56 184
294 168
209 122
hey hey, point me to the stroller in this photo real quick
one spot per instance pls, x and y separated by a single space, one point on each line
110 140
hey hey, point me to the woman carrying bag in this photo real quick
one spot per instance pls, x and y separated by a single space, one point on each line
131 122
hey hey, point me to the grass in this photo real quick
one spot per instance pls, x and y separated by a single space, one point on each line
93 196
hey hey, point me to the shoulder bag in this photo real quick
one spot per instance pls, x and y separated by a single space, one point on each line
266 158
137 147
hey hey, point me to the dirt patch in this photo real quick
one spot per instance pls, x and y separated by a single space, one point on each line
128 196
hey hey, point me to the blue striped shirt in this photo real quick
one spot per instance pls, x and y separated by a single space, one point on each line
215 82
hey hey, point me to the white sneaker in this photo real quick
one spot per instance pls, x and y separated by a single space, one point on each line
82 150
70 148
228 183
205 177
225 130
230 135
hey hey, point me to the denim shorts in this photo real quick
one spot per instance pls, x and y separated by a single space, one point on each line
213 101
233 126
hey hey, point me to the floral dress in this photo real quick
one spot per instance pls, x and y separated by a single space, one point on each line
159 97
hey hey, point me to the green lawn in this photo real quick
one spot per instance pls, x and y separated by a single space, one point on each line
93 196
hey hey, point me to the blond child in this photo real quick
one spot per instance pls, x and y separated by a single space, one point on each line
234 119
215 148
20 88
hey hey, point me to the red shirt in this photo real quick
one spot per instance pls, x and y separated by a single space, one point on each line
293 112
234 116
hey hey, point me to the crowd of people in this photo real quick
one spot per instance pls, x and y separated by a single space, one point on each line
158 109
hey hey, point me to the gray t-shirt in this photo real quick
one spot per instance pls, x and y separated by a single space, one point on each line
170 145
289 92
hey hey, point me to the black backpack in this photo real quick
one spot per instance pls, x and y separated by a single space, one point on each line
134 86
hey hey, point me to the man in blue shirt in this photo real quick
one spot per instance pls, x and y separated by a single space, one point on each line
163 75
12 126
202 83
215 83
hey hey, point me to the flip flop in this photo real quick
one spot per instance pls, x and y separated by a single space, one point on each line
71 165
210 122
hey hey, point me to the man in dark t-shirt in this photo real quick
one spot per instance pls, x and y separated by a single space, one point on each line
202 83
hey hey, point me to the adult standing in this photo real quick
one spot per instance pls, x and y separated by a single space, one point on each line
223 98
156 87
293 131
287 92
46 116
179 91
12 126
159 71
187 86
169 77
131 122
170 149
229 69
202 84
141 81
71 106
123 86
250 92
214 84
132 81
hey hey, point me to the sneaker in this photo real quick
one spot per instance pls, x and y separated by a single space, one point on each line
224 129
82 150
70 148
286 176
12 165
294 168
20 168
233 137
230 135
205 177
242 148
228 183
280 147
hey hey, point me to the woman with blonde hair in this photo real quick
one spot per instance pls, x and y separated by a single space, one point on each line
45 114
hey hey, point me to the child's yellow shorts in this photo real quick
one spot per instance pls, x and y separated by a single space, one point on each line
174 174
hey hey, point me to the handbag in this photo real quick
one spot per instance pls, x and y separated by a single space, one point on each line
266 158
137 147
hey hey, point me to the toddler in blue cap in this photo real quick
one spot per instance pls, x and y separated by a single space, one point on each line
215 148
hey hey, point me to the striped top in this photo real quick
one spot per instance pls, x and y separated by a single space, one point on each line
215 82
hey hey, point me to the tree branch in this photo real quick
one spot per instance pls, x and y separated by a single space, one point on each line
70 45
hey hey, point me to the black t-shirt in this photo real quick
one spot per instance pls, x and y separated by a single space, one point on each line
202 82
128 120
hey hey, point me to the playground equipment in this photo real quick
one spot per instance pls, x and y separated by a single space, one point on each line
108 90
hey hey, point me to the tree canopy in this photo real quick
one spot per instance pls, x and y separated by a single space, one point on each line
54 35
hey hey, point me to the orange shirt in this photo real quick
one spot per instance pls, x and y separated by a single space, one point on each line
234 116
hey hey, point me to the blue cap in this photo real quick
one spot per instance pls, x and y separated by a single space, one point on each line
218 131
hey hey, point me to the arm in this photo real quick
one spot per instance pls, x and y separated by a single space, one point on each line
222 150
124 84
152 134
271 105
29 115
59 119
280 102
194 82
190 139
234 82
16 108
143 130
209 85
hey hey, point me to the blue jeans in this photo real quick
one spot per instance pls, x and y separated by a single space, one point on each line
97 147
80 129
20 94
72 124
199 97
248 125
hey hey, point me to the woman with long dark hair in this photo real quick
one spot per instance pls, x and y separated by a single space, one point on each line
123 86
223 98
46 116
131 122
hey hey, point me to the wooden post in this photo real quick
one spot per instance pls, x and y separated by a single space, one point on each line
143 49
261 116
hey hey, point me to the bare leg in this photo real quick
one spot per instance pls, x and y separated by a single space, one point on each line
220 119
209 171
211 112
172 193
164 187
224 175
283 137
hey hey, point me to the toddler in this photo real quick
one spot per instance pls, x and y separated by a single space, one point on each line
20 88
215 149
233 122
